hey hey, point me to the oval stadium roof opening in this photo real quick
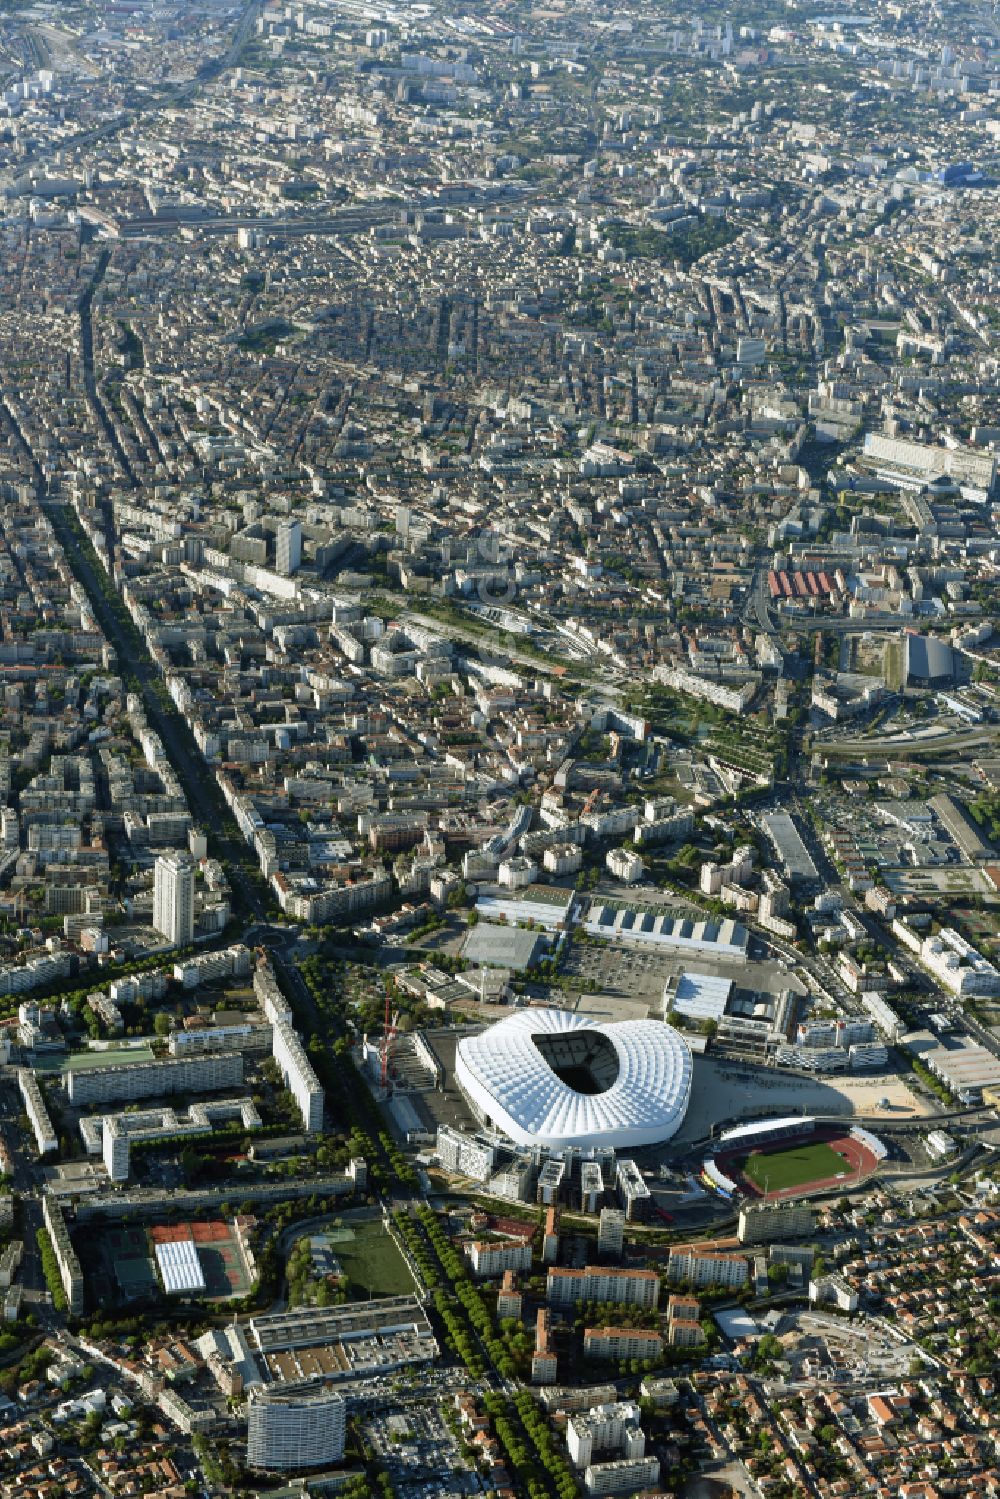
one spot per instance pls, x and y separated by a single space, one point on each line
549 1077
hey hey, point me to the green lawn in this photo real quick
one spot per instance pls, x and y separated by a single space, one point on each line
372 1263
780 1169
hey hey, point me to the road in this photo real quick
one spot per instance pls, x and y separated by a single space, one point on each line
89 378
757 606
199 787
908 748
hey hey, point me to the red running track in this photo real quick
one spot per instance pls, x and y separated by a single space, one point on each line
859 1164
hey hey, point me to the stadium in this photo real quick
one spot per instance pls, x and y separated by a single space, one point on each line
552 1078
775 1160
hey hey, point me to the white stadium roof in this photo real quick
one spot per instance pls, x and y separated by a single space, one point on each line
549 1077
180 1266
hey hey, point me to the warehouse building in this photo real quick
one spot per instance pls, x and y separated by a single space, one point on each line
655 926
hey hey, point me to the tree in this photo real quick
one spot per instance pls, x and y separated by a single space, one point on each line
161 1024
768 1349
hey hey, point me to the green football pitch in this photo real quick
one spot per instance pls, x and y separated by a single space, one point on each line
776 1171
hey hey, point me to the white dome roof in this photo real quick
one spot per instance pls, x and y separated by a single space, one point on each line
624 1084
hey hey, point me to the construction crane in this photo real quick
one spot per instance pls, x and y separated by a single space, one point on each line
389 1033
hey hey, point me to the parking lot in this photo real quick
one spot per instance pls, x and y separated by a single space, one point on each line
423 1458
618 971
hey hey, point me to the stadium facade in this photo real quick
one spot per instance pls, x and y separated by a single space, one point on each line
555 1079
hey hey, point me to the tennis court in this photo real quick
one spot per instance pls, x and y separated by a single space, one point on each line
219 1254
127 1251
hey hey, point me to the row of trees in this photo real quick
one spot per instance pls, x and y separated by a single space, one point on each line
336 1071
50 1269
529 1446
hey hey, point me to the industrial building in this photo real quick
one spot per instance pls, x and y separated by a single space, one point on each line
548 906
965 1070
697 996
493 946
657 926
345 1342
792 852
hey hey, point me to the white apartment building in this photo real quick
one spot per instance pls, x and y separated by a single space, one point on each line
70 1272
304 1428
297 1071
173 898
132 1080
594 1283
469 1155
602 1428
621 1342
624 865
19 978
626 1475
611 1231
116 1150
34 1106
712 877
494 1258
705 1267
288 548
562 858
958 966
235 961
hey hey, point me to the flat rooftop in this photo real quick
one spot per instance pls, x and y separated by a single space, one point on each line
119 1056
501 946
